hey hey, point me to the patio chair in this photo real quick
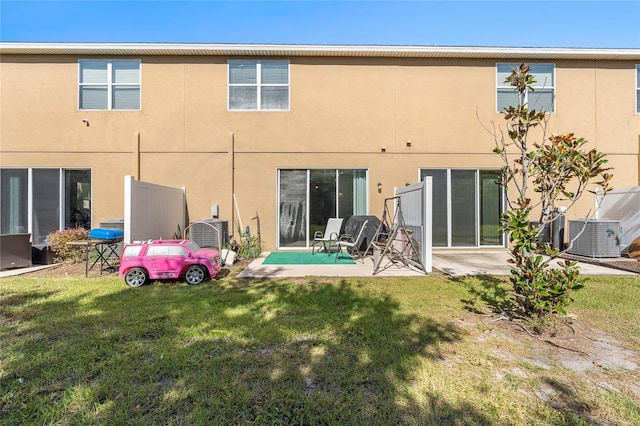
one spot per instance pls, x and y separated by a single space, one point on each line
330 234
351 244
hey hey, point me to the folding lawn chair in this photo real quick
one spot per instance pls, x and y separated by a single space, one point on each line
351 244
330 234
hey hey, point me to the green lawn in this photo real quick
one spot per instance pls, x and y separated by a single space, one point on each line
374 351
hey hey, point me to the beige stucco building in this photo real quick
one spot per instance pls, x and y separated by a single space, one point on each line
298 133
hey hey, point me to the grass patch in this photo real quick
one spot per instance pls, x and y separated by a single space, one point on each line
613 303
372 351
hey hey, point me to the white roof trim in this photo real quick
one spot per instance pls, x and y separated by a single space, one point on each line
206 49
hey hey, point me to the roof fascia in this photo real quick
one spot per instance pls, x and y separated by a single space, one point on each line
206 49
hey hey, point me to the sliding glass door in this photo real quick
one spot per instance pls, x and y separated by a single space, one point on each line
14 201
463 208
293 207
467 205
42 200
322 198
491 208
77 199
46 203
307 198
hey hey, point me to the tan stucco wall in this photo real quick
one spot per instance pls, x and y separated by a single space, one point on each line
343 111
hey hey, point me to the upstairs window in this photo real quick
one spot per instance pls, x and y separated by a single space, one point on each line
105 84
542 98
258 85
637 89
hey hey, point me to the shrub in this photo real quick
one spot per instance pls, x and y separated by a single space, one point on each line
249 247
64 253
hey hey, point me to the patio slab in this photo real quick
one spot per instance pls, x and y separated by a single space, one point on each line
450 262
494 262
22 271
257 269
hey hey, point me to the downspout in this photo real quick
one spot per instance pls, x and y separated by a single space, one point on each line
136 155
233 180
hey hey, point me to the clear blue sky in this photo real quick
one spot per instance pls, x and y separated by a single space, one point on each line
549 23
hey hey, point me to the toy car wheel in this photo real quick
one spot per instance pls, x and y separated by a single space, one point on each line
135 277
194 275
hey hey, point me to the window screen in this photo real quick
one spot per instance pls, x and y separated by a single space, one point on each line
109 84
541 98
258 85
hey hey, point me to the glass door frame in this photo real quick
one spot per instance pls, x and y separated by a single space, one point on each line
477 205
336 213
60 193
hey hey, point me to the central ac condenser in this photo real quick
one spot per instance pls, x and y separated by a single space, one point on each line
601 237
205 232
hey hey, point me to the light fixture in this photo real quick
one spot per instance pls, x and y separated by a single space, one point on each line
383 148
379 187
86 121
408 142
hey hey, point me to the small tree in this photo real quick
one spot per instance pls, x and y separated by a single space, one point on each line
555 170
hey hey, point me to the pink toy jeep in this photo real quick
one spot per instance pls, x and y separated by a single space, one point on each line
168 259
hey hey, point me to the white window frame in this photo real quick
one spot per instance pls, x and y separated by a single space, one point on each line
637 88
258 85
538 85
308 236
110 84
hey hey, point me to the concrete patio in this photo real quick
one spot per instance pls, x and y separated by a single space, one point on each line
450 262
257 269
494 262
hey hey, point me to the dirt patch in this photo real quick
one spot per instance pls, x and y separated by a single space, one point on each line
586 350
602 361
66 269
564 364
6 320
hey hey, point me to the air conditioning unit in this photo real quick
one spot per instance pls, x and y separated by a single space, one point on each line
205 232
601 237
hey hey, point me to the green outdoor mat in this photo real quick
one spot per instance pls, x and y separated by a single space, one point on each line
306 258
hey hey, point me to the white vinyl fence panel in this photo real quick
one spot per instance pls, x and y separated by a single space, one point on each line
416 204
621 204
152 211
